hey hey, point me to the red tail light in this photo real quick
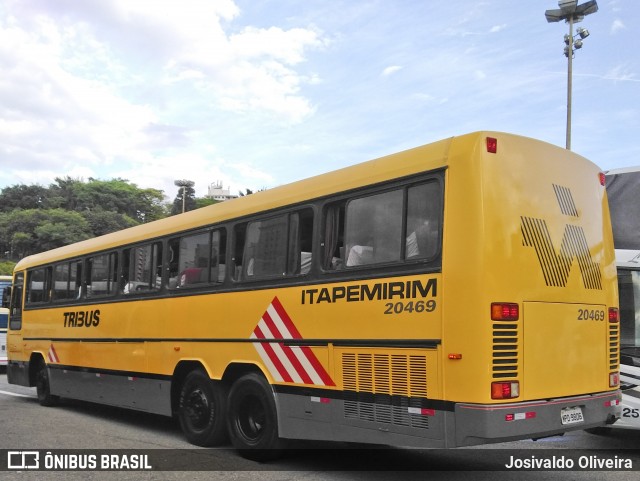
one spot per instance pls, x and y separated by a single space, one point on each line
492 145
613 314
603 179
614 379
505 311
505 390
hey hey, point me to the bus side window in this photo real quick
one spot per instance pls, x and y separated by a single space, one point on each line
39 285
189 260
15 317
141 271
274 247
373 229
239 234
300 242
218 255
333 253
61 281
265 251
423 221
102 274
67 279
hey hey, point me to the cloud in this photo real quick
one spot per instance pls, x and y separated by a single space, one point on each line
391 70
617 26
88 85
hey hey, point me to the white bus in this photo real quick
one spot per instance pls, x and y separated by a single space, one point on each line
5 282
628 264
623 192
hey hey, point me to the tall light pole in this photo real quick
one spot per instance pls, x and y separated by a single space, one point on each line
571 12
184 184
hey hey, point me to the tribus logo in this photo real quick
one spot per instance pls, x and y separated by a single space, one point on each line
556 266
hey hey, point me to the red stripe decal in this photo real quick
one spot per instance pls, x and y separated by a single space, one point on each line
273 356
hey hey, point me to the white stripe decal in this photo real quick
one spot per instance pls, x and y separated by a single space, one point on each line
277 348
267 361
297 364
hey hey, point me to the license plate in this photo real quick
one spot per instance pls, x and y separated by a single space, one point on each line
571 415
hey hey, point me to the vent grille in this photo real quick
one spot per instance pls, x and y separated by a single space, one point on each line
505 350
382 387
614 346
391 374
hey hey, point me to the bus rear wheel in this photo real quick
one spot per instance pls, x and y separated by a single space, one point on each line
202 409
253 421
43 389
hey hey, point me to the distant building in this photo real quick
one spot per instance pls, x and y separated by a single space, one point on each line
217 192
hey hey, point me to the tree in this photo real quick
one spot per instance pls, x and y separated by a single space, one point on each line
25 232
24 197
103 222
186 197
116 195
205 201
35 218
6 268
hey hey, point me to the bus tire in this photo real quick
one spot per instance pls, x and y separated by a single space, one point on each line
253 420
202 409
43 386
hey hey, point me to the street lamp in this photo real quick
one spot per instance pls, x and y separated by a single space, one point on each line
571 12
184 184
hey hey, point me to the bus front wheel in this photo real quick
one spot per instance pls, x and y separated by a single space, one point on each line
253 421
43 389
202 409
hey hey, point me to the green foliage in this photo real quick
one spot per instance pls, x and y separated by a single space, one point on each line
205 201
34 218
6 268
25 232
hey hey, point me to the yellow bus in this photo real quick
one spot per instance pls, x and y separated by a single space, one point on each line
455 294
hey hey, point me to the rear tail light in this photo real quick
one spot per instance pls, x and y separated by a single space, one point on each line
613 314
614 379
492 145
505 390
603 179
504 311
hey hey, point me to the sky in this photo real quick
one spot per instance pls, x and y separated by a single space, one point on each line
259 93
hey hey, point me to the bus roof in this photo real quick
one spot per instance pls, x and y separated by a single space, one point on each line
395 166
419 159
623 192
623 170
628 258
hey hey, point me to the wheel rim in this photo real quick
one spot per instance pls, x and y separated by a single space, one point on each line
252 418
198 409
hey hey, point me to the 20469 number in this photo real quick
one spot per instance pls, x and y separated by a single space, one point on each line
591 315
411 306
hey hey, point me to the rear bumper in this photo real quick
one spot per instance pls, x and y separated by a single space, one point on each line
480 424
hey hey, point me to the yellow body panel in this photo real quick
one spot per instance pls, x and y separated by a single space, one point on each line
528 225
